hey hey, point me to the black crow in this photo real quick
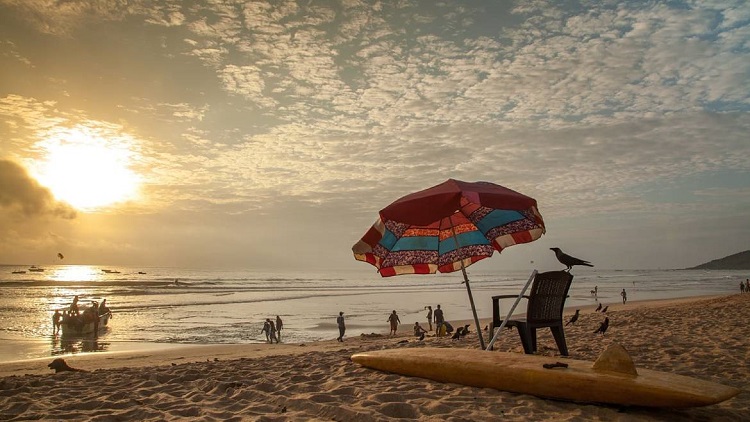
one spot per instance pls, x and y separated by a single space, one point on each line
605 309
568 260
465 331
574 318
602 327
598 308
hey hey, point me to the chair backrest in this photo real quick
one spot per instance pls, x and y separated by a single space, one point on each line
547 297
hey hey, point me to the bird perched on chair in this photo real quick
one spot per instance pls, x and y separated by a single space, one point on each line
605 309
598 308
568 260
574 318
603 326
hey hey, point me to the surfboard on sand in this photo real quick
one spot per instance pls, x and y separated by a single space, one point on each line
612 379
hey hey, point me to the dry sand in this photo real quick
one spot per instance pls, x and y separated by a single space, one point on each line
707 338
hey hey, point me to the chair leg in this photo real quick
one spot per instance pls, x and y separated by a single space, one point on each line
523 332
532 335
559 335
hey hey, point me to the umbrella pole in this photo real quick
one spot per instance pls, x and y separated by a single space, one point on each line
473 308
468 290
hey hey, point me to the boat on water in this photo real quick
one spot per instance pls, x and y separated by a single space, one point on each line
35 269
19 272
77 325
111 271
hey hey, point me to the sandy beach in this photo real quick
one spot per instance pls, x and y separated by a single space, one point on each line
706 338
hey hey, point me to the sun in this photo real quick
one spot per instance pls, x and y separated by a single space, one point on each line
87 167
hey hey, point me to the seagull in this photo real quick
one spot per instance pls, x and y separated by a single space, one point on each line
598 308
568 260
574 318
603 326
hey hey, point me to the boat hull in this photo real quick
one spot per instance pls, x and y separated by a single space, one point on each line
520 373
72 328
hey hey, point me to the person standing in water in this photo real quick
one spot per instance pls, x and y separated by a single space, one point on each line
624 296
279 324
342 326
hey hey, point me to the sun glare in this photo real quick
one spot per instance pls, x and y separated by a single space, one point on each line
88 167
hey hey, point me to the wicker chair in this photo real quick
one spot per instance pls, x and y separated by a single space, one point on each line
544 309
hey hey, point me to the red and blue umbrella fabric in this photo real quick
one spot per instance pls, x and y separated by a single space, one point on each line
448 227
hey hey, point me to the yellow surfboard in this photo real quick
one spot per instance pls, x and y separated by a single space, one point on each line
612 379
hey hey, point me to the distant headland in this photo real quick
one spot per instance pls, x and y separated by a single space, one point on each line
738 261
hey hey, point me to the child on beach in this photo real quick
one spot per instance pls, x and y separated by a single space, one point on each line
624 296
393 319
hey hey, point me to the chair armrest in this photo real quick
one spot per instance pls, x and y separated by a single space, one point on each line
508 297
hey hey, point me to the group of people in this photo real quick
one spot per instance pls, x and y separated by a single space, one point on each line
73 316
745 287
442 326
273 330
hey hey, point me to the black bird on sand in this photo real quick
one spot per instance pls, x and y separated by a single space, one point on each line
603 326
568 260
598 308
605 309
465 331
574 318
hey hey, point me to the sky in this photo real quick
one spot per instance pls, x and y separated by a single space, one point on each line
268 134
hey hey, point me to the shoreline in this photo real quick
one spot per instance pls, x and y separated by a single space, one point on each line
706 338
156 354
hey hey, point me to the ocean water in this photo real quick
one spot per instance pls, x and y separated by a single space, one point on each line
229 306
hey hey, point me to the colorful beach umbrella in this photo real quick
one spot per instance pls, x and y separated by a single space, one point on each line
448 227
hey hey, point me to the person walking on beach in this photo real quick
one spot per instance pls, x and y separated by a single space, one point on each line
272 331
267 329
439 319
393 319
429 316
747 284
624 296
742 287
279 325
342 326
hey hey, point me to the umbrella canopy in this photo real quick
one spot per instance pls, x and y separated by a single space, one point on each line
448 227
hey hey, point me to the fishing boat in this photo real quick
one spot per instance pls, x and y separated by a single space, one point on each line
19 272
35 269
75 326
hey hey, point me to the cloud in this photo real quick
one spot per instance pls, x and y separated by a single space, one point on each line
19 191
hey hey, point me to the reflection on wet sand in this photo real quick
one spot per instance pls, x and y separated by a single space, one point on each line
77 344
